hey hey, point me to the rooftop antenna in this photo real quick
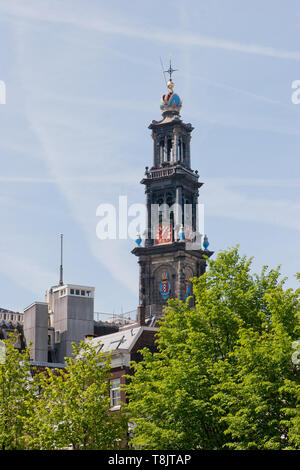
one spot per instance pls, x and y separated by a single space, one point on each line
61 283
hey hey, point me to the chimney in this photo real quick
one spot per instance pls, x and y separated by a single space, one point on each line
141 315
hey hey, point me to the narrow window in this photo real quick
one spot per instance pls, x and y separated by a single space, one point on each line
115 395
160 217
169 149
169 199
172 224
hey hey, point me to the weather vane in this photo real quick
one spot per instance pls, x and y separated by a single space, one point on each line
170 70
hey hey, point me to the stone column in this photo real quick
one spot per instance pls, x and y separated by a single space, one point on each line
180 150
155 151
175 147
148 240
165 149
188 151
180 290
178 210
194 215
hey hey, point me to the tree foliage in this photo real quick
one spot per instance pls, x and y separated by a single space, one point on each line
59 408
72 405
15 393
223 376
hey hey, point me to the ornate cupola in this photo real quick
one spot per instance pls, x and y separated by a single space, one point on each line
172 252
171 137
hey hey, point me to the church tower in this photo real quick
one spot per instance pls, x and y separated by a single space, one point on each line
172 253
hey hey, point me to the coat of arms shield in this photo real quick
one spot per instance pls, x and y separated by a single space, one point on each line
165 286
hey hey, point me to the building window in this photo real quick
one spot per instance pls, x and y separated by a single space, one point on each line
77 292
83 292
88 293
57 336
115 394
72 291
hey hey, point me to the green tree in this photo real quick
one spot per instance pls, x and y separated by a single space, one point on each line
71 406
15 394
223 376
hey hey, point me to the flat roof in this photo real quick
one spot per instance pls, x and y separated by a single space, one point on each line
57 365
74 285
35 303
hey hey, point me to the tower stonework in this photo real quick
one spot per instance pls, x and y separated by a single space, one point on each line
172 253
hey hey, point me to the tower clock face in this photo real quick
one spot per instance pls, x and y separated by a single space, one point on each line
163 234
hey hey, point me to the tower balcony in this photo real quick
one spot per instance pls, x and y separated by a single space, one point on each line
157 173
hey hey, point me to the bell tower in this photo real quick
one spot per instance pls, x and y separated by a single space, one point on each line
172 253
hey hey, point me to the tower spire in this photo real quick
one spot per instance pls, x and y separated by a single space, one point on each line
61 283
171 102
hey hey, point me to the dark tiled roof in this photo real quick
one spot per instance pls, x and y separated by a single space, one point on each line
101 328
5 310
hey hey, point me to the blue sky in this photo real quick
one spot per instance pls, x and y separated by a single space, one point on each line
83 82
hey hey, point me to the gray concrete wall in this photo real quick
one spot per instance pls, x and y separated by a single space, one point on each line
36 330
74 318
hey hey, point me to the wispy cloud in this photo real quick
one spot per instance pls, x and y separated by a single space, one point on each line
83 186
60 133
225 86
108 178
243 120
36 11
23 179
227 198
26 273
262 182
